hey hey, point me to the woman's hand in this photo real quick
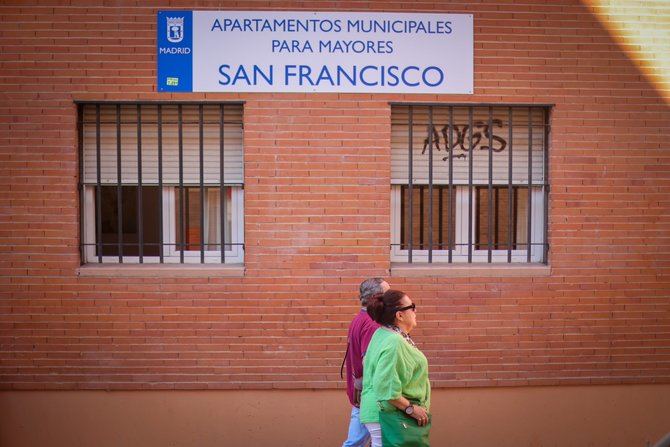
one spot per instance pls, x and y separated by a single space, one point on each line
420 415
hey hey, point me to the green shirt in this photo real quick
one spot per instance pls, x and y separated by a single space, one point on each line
392 368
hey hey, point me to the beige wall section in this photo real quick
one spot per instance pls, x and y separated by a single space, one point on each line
600 416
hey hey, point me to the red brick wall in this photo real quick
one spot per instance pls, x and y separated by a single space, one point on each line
317 169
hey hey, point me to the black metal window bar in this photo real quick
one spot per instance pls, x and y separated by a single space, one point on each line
491 146
163 118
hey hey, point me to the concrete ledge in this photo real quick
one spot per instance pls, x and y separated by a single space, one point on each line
468 270
161 270
566 416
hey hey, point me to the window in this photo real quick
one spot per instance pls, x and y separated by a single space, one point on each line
161 182
469 183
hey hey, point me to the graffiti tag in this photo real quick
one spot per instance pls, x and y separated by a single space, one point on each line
461 134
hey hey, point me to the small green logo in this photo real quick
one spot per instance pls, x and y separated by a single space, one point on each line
173 81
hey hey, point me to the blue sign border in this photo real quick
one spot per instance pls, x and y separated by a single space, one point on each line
174 59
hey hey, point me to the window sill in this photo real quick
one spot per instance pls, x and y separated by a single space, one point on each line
161 270
403 269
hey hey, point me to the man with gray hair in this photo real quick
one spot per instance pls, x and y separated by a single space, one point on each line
360 332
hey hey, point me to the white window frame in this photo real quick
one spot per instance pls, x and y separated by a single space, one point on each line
460 252
234 254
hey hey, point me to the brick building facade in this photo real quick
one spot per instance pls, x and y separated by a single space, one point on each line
317 220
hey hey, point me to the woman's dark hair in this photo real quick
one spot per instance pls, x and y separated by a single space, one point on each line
382 306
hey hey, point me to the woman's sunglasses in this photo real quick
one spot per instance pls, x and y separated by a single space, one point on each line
411 306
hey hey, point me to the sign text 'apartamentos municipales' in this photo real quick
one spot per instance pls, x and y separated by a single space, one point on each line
233 51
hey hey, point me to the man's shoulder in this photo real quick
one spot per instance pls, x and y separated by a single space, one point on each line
369 323
363 321
362 317
357 322
358 318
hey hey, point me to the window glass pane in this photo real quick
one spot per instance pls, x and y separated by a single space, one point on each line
502 220
151 200
443 223
211 238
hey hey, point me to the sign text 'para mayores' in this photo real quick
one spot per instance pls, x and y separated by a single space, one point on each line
232 51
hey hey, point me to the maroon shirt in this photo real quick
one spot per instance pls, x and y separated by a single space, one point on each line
360 332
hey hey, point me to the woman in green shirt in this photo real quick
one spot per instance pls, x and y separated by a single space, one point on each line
395 371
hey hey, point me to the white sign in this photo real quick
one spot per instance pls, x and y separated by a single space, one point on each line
232 51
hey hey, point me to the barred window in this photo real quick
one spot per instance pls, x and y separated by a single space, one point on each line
161 182
469 183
